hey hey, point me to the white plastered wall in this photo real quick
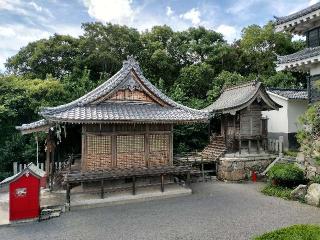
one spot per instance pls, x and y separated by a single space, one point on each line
315 69
295 109
278 120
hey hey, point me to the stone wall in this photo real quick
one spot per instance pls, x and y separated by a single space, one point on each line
236 169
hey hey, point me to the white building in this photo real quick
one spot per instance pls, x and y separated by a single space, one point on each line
285 121
305 22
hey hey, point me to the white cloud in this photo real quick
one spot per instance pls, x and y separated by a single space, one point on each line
311 2
230 33
193 15
119 11
36 6
169 11
13 37
240 6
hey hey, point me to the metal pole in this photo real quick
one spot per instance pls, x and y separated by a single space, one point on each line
37 142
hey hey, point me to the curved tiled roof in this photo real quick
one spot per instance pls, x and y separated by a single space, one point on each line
301 13
290 93
301 55
34 126
92 108
238 97
125 112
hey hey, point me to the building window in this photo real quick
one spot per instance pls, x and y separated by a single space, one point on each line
130 144
313 38
98 144
159 142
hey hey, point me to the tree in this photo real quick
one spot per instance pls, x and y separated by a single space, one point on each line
20 101
104 47
55 56
195 80
225 79
259 47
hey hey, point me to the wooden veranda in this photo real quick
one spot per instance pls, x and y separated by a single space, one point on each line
72 179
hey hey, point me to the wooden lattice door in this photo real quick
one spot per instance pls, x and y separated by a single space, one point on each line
99 152
130 151
159 149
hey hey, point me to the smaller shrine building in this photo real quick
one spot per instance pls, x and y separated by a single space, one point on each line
240 134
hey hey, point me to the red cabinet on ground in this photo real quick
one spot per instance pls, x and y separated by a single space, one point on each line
24 194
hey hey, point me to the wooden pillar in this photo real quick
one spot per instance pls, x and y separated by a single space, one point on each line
162 183
258 145
68 192
133 185
249 146
240 143
114 146
102 189
234 132
47 163
146 146
83 147
171 146
188 179
202 169
53 166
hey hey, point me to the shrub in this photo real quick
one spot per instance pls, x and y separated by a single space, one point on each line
288 175
291 153
315 179
295 232
277 191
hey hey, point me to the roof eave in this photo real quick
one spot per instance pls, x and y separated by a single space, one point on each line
202 119
296 24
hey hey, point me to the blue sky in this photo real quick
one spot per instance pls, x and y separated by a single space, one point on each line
23 21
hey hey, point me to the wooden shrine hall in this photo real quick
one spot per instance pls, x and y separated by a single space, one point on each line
238 123
126 126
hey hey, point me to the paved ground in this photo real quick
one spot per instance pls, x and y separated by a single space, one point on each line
214 211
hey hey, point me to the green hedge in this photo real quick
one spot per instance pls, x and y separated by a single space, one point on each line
277 191
288 175
295 232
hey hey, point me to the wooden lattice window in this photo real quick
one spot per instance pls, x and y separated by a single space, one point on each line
130 143
159 142
98 144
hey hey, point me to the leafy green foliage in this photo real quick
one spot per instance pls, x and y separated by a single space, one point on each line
291 153
295 232
20 100
277 191
315 179
287 174
308 135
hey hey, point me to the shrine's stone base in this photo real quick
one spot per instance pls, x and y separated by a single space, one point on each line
236 167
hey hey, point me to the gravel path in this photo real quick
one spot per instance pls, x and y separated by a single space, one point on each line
215 211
